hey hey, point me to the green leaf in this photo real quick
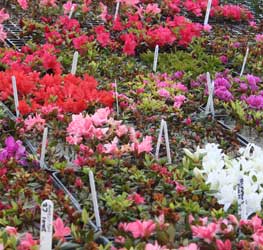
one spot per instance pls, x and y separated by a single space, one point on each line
84 216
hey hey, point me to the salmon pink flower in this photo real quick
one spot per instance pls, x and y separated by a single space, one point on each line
101 116
144 146
207 233
60 230
27 242
111 148
121 130
141 229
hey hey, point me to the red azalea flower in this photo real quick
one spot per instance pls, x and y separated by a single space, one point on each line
103 36
129 43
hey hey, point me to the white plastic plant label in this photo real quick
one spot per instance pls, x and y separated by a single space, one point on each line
117 10
210 102
167 144
15 95
208 9
159 140
43 147
241 199
74 63
155 60
46 225
244 62
71 12
94 199
163 130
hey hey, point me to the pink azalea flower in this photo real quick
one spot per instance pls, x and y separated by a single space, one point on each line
111 148
156 246
121 130
232 219
60 230
68 6
164 93
104 12
179 100
120 239
144 146
3 16
27 242
207 28
258 237
124 226
252 24
136 198
130 2
1 246
152 9
23 4
192 246
11 230
34 122
207 233
180 86
141 229
2 33
161 222
223 59
179 187
48 3
223 246
259 38
101 116
78 183
188 121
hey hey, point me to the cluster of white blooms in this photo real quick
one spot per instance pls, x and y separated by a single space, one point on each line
223 174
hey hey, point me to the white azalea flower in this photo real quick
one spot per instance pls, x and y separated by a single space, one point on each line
223 175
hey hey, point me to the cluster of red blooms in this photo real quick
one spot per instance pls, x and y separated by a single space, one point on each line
179 30
70 93
228 11
43 59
